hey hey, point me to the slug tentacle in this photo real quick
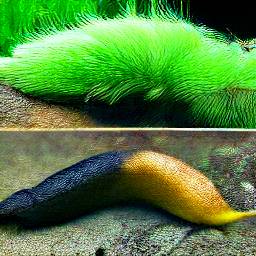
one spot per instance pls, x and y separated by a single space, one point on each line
115 177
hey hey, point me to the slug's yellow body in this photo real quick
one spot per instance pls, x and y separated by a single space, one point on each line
178 188
114 177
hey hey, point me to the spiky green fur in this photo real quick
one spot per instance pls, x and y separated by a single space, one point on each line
163 58
21 18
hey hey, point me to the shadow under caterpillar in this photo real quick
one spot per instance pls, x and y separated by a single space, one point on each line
114 177
161 58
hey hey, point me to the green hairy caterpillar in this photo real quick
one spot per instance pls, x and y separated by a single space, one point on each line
138 49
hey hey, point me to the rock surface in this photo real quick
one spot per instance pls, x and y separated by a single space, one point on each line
20 111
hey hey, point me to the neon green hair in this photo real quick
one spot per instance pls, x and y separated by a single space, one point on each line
156 54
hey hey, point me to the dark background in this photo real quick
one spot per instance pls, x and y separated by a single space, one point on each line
224 16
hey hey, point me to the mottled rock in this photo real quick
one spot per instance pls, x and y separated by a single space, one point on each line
20 111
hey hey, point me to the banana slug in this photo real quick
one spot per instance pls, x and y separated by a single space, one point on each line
115 177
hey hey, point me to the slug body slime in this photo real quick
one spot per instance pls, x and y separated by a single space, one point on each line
158 56
115 177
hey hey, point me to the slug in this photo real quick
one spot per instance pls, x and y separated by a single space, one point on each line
115 177
159 57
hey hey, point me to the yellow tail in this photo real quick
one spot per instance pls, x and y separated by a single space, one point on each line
232 216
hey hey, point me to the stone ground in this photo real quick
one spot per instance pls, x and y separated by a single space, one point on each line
227 158
21 111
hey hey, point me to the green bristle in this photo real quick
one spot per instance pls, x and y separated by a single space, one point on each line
127 48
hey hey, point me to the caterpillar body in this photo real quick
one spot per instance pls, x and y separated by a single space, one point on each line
115 177
161 58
